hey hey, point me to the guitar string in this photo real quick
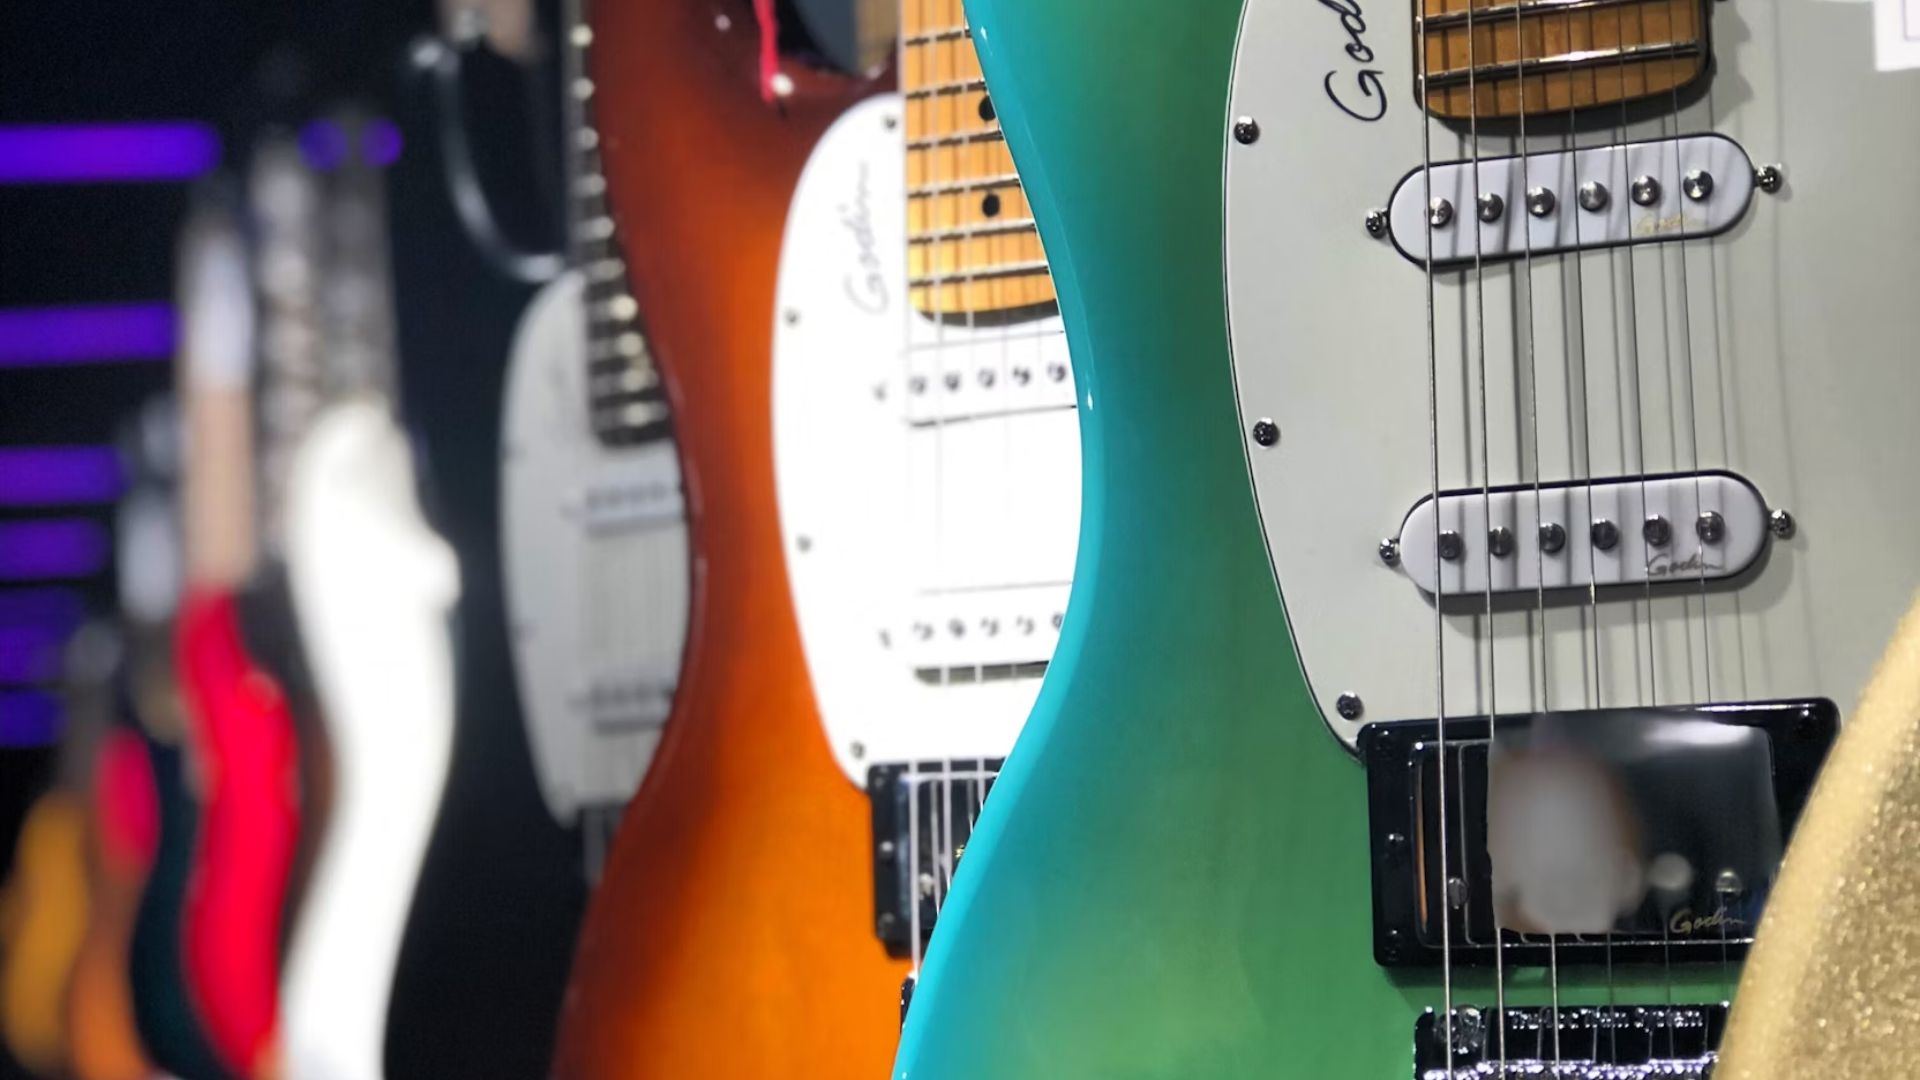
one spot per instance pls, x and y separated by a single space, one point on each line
1469 217
1686 338
931 209
1439 617
1533 422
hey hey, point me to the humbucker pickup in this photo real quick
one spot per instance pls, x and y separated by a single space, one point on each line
923 815
1684 810
1677 528
1571 200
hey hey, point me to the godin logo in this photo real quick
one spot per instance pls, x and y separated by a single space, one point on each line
1371 102
866 286
1663 565
1685 922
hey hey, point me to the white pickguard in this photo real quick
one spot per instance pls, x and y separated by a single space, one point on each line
374 589
928 476
596 559
1800 324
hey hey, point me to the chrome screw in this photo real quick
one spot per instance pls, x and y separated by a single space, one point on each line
1376 223
956 628
1451 545
1698 184
1656 531
1349 706
1245 131
1710 526
1439 213
1469 1023
1781 523
1456 892
952 379
1390 551
1553 538
1057 372
1266 432
1594 196
1022 376
1500 541
1646 190
917 384
1605 534
1540 201
986 377
1491 207
922 631
1768 178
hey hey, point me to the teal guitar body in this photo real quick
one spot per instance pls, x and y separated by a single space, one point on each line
1174 874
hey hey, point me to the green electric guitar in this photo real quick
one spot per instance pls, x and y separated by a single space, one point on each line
1497 437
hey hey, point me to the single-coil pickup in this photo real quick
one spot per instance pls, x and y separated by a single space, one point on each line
1577 200
1678 528
989 635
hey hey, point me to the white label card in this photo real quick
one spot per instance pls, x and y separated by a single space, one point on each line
1896 34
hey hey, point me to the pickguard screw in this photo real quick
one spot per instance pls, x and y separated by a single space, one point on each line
1439 213
1022 376
986 377
1390 551
1245 131
1450 545
1057 372
1646 190
917 384
889 122
1456 892
1553 538
1656 531
1710 526
1491 207
1605 534
1698 184
804 543
1540 201
1768 178
1266 432
1500 541
952 379
792 317
1349 706
1594 196
1376 223
857 750
1781 523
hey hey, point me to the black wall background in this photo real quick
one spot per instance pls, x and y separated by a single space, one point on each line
490 940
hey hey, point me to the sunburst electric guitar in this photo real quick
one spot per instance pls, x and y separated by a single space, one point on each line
854 322
1567 402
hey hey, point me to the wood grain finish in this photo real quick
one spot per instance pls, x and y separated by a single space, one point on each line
732 933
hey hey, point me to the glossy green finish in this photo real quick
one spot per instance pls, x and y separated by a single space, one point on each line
1171 878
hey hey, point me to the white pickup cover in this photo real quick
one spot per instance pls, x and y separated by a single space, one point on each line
1670 213
1625 503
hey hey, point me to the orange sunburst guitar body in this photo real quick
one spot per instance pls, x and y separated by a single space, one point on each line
732 933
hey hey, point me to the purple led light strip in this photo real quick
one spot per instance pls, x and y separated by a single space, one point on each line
51 549
59 475
30 654
28 718
91 153
88 333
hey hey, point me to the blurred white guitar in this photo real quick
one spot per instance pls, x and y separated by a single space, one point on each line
374 590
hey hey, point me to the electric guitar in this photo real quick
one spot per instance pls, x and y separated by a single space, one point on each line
592 512
731 934
926 451
160 817
1503 786
243 757
374 589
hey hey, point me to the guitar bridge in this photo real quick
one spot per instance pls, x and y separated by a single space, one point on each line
923 815
1624 1042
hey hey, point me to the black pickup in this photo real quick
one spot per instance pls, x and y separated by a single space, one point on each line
923 814
1658 1042
1707 794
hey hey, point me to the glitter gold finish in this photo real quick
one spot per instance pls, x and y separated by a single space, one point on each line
1832 987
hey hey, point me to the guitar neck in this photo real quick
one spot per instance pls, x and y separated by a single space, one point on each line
624 398
972 247
215 373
